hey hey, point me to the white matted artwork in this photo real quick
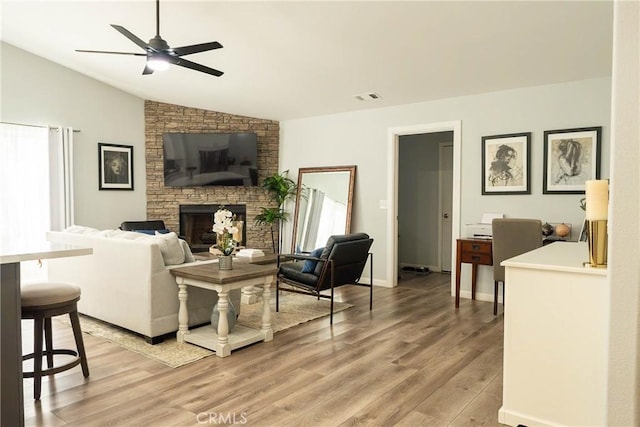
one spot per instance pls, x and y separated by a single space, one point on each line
571 157
115 165
506 164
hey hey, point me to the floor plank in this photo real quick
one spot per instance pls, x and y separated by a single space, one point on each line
413 361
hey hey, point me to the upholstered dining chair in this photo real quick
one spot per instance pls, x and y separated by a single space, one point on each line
512 237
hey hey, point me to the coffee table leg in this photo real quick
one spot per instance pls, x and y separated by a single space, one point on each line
183 313
267 331
223 348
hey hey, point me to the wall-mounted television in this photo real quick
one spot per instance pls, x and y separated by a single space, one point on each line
197 159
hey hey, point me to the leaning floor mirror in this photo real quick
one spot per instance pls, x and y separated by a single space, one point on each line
323 205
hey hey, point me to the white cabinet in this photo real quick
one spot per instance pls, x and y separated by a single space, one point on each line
555 338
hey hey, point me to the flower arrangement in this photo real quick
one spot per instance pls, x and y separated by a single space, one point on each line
223 227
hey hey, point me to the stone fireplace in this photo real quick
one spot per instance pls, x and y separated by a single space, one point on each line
165 203
196 222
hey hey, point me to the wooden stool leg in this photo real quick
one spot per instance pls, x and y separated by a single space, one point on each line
48 338
495 297
77 334
38 328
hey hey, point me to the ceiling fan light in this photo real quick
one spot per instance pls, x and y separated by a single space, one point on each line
157 64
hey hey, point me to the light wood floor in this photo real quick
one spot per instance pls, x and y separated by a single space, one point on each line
413 361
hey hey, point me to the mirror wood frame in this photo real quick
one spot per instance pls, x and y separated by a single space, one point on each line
301 173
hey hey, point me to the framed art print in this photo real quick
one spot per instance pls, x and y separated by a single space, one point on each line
115 165
571 157
506 164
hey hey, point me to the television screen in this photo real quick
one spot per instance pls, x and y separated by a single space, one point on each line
195 159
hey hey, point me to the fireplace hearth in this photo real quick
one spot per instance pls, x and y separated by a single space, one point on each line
196 222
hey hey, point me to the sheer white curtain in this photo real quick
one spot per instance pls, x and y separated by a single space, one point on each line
36 191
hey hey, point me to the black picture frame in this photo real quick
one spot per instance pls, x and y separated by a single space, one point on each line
571 157
506 164
115 166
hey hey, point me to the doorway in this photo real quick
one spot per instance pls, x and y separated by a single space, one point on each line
424 201
393 190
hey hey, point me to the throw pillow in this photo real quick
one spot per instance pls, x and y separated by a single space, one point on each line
310 264
188 255
170 247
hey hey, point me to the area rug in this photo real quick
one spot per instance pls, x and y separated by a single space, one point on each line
294 310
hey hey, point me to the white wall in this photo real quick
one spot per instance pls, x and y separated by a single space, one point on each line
361 138
624 227
39 92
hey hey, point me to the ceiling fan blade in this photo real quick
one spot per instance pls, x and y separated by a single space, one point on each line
195 48
192 65
110 52
147 70
128 34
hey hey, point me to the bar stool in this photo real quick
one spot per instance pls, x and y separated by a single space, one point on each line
41 302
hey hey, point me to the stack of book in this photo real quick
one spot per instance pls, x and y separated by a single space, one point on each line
249 253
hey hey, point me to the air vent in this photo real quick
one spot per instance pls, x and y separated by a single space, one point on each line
370 96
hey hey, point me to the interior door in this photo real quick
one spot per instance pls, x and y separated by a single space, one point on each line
446 204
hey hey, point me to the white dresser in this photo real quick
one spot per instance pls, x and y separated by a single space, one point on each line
555 338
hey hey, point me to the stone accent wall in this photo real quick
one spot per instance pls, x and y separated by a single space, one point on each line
163 202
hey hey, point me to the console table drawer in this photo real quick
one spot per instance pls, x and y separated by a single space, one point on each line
476 248
477 258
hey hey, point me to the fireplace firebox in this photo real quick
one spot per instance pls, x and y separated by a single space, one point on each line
196 222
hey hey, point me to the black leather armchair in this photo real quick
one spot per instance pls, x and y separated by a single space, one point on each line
341 262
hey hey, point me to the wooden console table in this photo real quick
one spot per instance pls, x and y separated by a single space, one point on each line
209 276
475 252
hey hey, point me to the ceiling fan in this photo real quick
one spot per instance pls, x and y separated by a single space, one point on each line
159 54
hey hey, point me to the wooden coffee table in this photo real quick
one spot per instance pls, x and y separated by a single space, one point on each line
209 276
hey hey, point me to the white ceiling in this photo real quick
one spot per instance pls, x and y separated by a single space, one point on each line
292 59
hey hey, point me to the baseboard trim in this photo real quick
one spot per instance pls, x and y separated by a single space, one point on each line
513 418
481 296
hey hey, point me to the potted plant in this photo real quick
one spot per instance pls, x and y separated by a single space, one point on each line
224 228
282 188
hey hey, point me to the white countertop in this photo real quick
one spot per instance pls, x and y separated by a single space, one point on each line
40 250
558 256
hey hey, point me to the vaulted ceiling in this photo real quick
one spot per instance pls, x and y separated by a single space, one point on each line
293 59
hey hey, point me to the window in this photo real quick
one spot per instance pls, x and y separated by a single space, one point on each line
35 187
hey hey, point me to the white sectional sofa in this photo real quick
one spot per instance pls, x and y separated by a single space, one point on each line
127 282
